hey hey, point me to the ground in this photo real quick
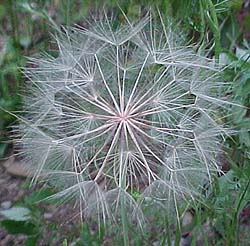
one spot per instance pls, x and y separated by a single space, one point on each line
13 188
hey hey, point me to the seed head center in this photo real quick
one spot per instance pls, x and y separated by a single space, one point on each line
123 117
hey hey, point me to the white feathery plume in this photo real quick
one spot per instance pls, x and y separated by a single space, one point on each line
123 109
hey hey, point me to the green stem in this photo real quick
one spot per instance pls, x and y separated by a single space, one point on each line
13 19
124 223
236 215
211 16
67 20
123 202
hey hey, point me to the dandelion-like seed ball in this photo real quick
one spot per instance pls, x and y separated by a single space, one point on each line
124 109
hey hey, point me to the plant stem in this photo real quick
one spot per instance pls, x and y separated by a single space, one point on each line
211 16
237 212
123 202
13 18
124 223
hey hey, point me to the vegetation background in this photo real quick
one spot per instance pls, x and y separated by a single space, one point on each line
222 26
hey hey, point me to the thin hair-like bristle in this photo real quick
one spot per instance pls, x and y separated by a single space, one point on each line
123 108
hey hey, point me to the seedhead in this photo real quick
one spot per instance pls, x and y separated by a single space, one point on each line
123 109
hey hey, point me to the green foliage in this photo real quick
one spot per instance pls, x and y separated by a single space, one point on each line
221 208
238 71
26 217
38 196
16 213
16 227
89 239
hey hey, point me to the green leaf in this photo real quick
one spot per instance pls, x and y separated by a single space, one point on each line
244 138
38 196
3 147
31 241
16 214
65 243
25 41
16 227
2 11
